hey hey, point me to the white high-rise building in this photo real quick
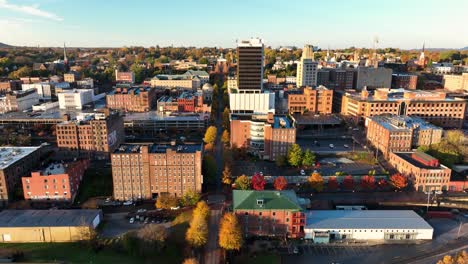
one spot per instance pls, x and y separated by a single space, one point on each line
307 68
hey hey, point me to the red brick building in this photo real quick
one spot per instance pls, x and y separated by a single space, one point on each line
132 99
318 101
269 213
406 81
59 181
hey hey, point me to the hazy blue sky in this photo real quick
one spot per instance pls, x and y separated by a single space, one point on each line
334 23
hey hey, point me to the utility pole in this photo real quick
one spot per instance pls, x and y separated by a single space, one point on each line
428 195
459 228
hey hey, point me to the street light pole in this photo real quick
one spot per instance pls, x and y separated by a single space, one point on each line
427 207
459 228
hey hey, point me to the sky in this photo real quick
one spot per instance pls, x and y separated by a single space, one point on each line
402 24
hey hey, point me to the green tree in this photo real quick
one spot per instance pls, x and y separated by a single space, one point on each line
308 158
230 233
190 197
295 155
242 182
21 72
210 135
203 61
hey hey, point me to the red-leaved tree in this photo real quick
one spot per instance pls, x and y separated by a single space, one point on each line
382 183
258 182
348 182
280 183
368 182
398 181
332 184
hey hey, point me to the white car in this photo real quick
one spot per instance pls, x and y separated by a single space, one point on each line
331 146
128 202
132 220
141 210
302 172
346 146
175 208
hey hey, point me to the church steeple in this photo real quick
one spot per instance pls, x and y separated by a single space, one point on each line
65 59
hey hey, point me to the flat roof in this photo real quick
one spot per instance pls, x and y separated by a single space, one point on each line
365 219
40 218
10 155
159 148
402 123
316 119
156 116
408 158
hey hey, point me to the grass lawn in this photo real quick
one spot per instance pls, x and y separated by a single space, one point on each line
70 253
96 182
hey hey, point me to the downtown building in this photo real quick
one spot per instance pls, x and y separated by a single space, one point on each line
405 81
18 101
269 213
317 101
434 107
124 77
144 171
95 133
307 68
422 170
372 78
400 133
182 82
131 99
58 181
456 83
266 136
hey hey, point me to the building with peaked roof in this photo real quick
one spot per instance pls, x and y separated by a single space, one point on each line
269 213
27 226
202 75
324 226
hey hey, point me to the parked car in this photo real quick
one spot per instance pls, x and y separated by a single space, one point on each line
132 220
303 173
175 208
346 146
331 146
129 202
141 210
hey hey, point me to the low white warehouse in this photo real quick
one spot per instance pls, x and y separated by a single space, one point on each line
324 226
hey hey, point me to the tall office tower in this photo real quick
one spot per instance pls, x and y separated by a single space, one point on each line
250 65
307 68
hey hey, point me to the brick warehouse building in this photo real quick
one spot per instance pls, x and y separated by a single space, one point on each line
97 133
59 181
133 99
434 107
269 213
144 171
317 101
425 171
406 81
15 162
400 133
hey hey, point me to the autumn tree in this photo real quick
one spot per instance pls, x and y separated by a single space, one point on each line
190 261
382 183
308 159
280 183
154 236
368 182
210 135
460 258
190 197
227 175
332 184
202 209
398 181
225 137
315 181
230 233
242 182
295 155
166 201
226 121
197 233
348 182
258 182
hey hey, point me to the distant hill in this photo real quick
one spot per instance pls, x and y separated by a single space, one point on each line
3 45
465 48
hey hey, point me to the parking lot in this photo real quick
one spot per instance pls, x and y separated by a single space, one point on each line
324 250
323 145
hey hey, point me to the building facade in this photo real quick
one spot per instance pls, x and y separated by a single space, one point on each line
250 58
184 82
15 162
318 100
269 213
266 136
99 133
456 83
252 103
424 171
18 101
399 133
10 85
145 171
75 99
434 107
124 77
405 81
59 181
372 78
307 68
132 99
